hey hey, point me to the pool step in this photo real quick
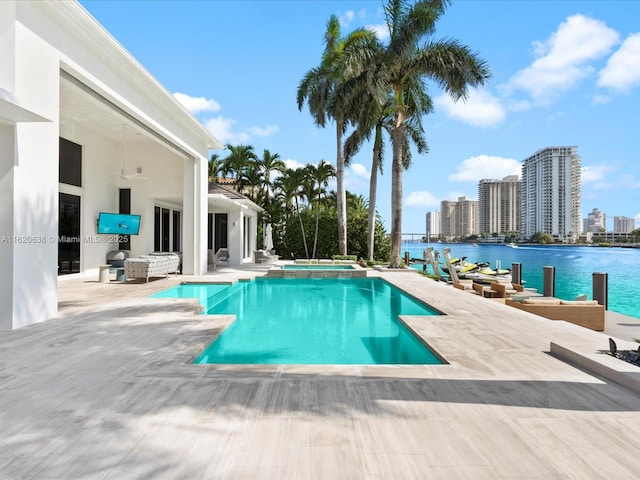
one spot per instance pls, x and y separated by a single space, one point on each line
219 297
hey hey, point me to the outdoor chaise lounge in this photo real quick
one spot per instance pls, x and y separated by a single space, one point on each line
467 285
264 256
506 289
586 313
221 256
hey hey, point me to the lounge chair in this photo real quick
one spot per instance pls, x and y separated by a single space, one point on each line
221 256
466 285
265 256
506 289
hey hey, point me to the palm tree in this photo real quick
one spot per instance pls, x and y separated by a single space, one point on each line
357 206
320 174
251 182
321 88
289 190
375 117
237 162
453 67
269 163
215 167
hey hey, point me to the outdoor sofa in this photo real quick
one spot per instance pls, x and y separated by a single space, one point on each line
149 266
586 313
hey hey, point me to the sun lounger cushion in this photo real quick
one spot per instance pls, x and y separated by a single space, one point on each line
578 302
541 301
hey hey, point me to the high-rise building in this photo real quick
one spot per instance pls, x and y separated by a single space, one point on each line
551 193
460 218
596 221
623 224
433 225
499 205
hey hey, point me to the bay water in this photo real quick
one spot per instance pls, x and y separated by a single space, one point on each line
574 268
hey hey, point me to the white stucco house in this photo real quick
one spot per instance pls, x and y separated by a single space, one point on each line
85 129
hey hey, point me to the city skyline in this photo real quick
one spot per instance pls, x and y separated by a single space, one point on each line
570 77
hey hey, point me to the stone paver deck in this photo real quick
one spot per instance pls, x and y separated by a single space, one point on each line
107 391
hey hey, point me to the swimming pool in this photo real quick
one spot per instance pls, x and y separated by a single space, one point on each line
311 321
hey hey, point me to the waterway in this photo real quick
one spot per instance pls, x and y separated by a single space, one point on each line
574 268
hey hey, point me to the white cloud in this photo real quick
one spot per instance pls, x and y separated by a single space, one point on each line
563 59
481 167
595 173
600 99
293 164
222 129
380 29
629 181
421 199
196 105
263 132
359 170
622 72
481 109
346 18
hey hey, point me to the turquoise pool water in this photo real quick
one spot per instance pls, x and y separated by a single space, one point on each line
311 321
317 267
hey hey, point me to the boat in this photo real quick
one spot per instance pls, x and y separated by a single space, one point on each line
512 245
461 265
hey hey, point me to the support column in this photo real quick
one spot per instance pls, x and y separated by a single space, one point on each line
194 223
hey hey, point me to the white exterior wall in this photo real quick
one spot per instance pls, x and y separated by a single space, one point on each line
29 175
37 41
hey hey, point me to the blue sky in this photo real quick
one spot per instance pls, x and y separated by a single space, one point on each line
564 73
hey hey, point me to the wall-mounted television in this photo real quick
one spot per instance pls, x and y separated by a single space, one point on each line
118 224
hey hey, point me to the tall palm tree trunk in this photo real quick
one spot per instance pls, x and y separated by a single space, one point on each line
304 237
341 193
373 188
396 196
315 239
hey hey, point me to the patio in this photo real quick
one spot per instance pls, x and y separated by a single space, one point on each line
106 390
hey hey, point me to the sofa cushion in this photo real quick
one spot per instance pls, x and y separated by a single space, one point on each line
578 302
541 301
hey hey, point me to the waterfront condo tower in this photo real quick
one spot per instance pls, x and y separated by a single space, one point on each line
499 202
551 193
459 219
433 225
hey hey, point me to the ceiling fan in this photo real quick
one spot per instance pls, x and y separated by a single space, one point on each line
124 173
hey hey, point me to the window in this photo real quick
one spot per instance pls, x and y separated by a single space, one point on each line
70 163
177 231
220 231
69 173
167 230
68 234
